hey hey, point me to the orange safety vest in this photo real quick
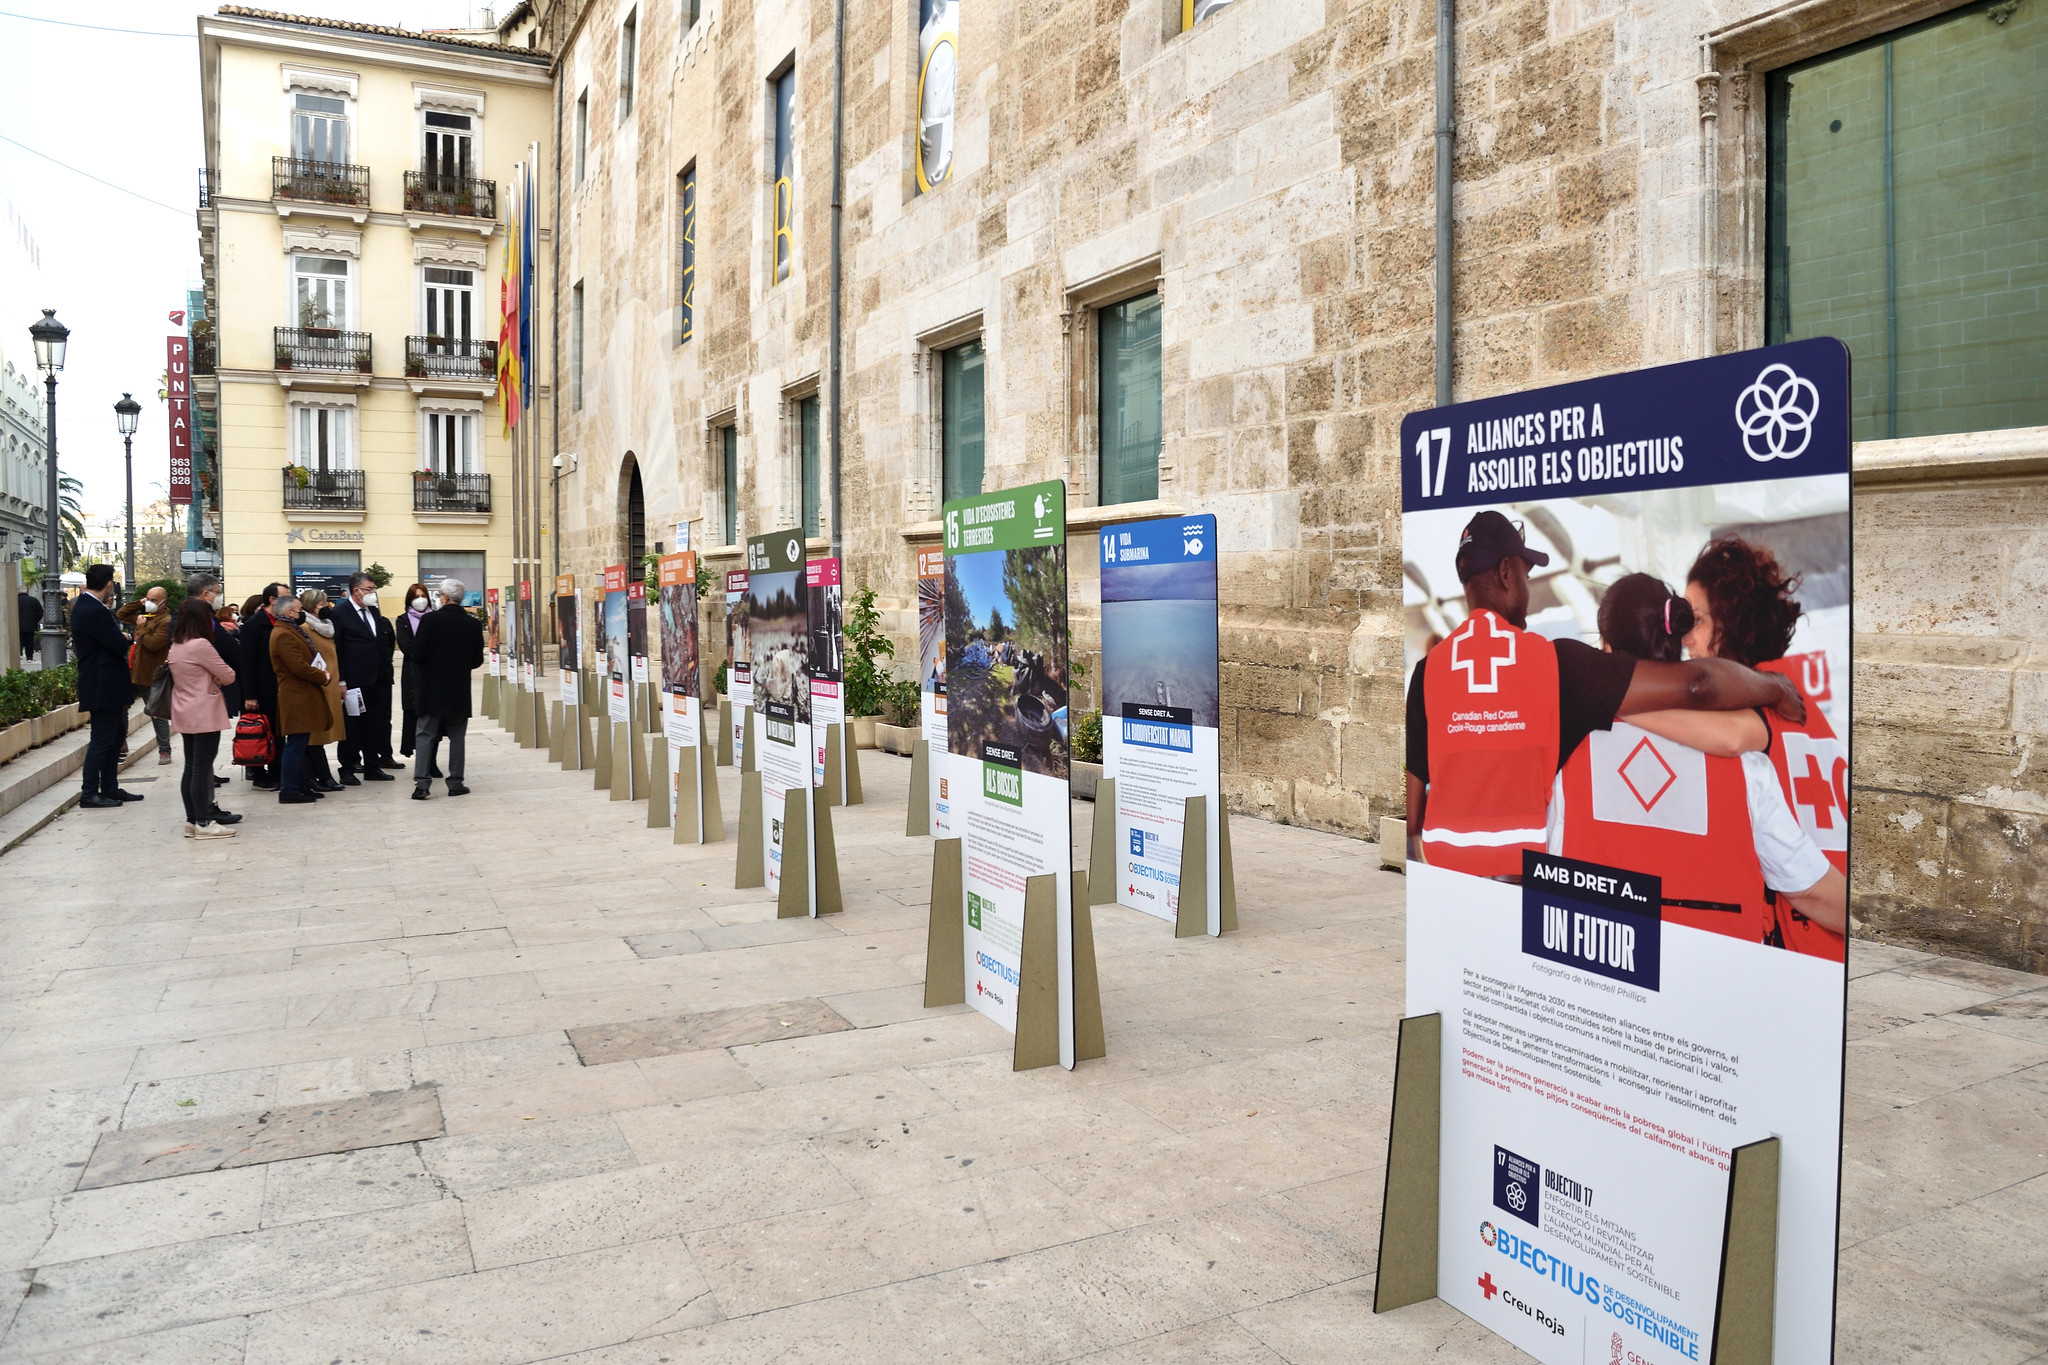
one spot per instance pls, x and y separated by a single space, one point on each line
1490 690
1635 801
1813 769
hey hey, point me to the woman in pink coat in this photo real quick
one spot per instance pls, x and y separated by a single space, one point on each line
198 713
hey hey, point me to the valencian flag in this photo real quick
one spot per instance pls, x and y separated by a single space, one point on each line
515 327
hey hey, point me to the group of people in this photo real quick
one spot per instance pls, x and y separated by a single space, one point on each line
1684 747
295 672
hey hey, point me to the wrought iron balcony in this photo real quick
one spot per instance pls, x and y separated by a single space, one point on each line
455 195
433 492
322 490
202 354
325 349
205 187
448 358
319 182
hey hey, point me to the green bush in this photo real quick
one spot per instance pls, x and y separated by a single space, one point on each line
1088 737
25 695
902 702
867 683
720 680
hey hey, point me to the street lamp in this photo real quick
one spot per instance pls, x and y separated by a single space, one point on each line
127 414
50 337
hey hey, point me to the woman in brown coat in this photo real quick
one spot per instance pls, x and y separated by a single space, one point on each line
320 634
302 708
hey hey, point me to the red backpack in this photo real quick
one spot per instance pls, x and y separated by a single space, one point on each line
255 747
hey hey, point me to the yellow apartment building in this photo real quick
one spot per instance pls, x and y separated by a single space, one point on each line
353 228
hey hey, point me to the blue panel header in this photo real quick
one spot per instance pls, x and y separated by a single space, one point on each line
1781 412
1167 540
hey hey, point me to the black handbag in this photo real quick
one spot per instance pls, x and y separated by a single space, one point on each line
158 704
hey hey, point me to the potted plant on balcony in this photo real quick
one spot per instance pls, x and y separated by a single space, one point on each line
301 475
281 356
415 367
363 361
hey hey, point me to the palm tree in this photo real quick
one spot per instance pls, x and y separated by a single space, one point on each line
71 515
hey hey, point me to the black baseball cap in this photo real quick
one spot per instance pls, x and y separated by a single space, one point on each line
1488 539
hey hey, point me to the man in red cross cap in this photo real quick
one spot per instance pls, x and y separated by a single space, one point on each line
1494 709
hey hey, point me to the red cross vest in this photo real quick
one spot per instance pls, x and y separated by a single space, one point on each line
1813 769
1635 801
1490 691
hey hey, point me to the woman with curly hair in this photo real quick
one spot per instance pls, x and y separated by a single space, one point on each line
1708 820
1744 609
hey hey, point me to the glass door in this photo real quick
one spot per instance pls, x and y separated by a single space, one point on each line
321 291
450 306
320 129
446 156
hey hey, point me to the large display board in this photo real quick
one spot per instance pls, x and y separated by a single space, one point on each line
931 675
494 634
778 630
682 716
568 621
1006 734
1160 707
527 655
827 660
617 662
1625 908
739 657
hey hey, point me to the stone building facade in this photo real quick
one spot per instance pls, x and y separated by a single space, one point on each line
1269 174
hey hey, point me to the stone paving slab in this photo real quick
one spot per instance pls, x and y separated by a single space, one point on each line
882 1187
164 1150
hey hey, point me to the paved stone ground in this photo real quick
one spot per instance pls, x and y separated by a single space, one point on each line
888 1192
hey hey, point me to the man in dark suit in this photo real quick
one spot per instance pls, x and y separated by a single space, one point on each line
448 648
103 688
356 641
31 622
258 680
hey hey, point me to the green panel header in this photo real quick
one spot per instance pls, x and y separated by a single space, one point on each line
1014 519
776 552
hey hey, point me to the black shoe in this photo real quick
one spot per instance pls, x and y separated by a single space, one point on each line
351 780
120 795
419 793
327 785
296 799
220 781
315 793
455 788
263 784
98 802
393 764
225 817
377 775
405 753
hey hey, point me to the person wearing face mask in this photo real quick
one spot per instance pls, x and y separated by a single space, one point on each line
417 606
148 617
104 690
301 697
320 634
259 678
356 621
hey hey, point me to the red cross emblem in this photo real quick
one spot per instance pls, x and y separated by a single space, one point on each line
1646 768
1482 654
1487 1286
1812 789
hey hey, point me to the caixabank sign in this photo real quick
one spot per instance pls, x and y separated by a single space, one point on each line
1627 611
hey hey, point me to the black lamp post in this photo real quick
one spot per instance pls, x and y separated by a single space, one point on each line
50 337
127 413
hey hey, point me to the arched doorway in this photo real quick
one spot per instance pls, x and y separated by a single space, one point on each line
633 514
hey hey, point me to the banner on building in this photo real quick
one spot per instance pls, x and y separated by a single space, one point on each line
739 656
567 624
778 632
616 664
931 674
178 397
1006 734
682 694
494 636
1160 707
826 658
527 651
1625 902
938 79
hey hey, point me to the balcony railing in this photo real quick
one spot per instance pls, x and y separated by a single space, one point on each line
455 195
205 187
325 349
202 354
320 182
448 358
433 492
322 490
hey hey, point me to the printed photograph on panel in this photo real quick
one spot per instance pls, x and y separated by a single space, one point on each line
567 626
1006 655
679 638
1163 620
777 630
